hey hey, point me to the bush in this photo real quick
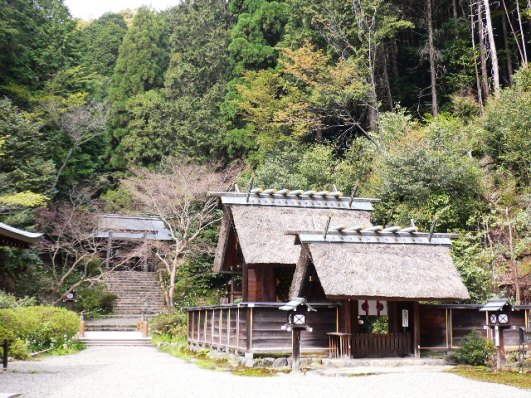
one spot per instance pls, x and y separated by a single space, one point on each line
37 328
173 324
474 350
10 301
95 300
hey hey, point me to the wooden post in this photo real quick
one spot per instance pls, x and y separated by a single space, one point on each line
5 347
199 326
249 328
228 329
82 327
145 255
220 324
212 328
238 327
245 283
416 329
446 329
296 350
108 253
144 329
500 345
451 319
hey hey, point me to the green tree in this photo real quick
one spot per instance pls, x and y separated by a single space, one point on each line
140 67
100 42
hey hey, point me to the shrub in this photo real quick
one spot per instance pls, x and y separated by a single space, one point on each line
95 300
474 350
173 324
8 300
37 328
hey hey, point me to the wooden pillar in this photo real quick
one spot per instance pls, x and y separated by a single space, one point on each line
451 328
416 329
229 325
238 327
354 325
446 329
249 328
108 253
245 283
346 322
144 255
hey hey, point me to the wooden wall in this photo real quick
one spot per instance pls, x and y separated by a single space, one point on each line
443 327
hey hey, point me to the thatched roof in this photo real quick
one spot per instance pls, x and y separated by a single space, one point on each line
261 230
132 227
383 270
11 236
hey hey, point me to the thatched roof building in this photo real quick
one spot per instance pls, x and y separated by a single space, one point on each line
11 236
256 223
379 265
121 227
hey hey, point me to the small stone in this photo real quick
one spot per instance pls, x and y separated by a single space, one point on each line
249 363
268 361
280 362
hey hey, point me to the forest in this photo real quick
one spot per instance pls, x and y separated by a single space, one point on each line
424 104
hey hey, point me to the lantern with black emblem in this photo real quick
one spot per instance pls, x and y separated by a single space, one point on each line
498 318
297 309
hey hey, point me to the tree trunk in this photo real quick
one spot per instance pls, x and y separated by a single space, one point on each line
508 57
478 80
387 85
433 76
492 50
454 8
524 51
483 51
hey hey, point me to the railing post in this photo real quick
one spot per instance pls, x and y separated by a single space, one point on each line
82 326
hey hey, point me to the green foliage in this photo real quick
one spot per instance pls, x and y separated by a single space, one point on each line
24 163
95 300
33 329
260 27
507 125
474 350
10 301
475 265
172 324
100 42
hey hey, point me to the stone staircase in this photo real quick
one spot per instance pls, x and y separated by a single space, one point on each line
138 293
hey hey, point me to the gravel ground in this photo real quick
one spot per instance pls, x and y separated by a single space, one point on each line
116 372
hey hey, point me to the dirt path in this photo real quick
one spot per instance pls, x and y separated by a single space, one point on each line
117 372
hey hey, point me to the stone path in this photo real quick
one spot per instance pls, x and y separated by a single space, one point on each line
117 372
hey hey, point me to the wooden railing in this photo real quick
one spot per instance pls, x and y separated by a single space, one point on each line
256 327
380 345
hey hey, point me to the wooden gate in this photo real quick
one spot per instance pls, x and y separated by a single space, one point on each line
381 345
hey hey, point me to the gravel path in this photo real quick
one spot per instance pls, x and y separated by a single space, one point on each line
117 372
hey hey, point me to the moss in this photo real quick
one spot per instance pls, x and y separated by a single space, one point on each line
254 372
521 380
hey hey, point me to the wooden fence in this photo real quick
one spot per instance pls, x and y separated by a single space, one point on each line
380 345
256 327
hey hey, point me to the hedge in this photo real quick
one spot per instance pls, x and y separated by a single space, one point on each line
37 328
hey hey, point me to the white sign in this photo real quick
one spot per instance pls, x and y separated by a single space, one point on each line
372 307
405 318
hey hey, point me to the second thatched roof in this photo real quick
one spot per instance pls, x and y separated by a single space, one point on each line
385 271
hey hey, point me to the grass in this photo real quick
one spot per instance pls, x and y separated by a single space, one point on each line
178 347
521 380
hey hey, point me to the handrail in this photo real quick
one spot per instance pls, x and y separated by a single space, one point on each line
253 305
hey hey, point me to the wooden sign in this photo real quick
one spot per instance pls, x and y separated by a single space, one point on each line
372 307
405 318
